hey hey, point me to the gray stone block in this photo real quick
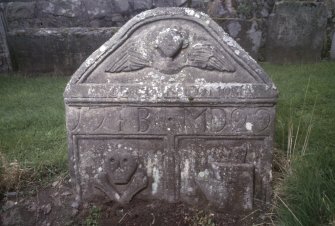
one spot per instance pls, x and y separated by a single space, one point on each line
20 10
20 14
248 33
164 3
142 5
296 32
5 60
98 8
66 8
121 6
171 108
62 13
332 49
54 50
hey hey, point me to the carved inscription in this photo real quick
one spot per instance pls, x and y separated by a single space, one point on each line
143 119
188 120
190 91
208 91
218 119
195 119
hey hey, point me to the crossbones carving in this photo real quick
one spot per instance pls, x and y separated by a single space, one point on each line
121 179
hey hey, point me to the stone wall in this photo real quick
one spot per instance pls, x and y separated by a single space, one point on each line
254 24
54 50
77 13
5 62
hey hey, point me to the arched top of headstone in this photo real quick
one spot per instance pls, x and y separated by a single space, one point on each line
172 46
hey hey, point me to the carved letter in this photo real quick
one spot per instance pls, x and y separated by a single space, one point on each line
218 119
239 118
192 118
120 121
143 119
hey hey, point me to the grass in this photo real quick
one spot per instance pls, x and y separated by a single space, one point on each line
32 131
306 110
93 217
32 124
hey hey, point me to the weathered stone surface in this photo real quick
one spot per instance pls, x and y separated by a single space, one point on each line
54 50
296 32
20 14
100 13
61 13
241 9
105 13
141 5
330 4
164 3
66 8
248 33
171 108
5 61
332 49
20 10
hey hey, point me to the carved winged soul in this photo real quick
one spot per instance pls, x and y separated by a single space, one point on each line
172 52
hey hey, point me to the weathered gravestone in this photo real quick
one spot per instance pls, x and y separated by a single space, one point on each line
171 108
296 32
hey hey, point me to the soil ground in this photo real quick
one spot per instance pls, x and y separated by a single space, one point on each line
54 205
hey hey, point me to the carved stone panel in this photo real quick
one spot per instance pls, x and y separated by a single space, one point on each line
119 167
171 108
222 168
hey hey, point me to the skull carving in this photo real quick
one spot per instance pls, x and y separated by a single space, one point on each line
122 179
120 167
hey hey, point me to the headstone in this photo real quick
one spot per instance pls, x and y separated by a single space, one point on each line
296 32
171 108
5 62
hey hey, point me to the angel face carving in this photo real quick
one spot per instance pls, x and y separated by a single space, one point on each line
172 52
120 167
169 42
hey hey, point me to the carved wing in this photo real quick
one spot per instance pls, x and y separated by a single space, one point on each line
129 59
208 57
